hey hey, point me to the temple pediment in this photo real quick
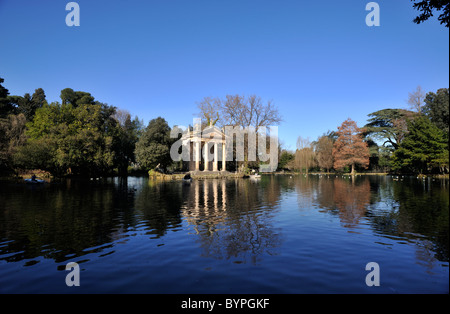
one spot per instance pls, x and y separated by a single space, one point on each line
208 134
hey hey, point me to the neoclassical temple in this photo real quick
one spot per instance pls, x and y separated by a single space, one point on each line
206 148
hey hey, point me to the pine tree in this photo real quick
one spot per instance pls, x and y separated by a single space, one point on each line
6 107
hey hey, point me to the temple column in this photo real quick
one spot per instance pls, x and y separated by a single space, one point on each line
216 157
197 155
206 151
223 157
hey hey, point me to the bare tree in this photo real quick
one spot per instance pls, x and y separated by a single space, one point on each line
416 99
249 111
209 110
121 116
238 110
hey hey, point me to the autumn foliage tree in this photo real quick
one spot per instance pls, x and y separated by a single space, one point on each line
349 149
324 152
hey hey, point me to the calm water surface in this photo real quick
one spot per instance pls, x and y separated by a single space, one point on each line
274 235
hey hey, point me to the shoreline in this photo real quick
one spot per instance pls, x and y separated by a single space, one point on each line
210 175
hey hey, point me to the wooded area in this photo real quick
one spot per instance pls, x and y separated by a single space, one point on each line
83 136
394 140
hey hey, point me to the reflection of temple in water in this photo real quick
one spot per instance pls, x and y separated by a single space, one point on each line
233 219
207 203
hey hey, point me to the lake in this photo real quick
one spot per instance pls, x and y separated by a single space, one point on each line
279 234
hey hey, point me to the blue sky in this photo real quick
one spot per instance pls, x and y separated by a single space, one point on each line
316 60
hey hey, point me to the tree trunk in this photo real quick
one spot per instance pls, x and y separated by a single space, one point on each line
353 169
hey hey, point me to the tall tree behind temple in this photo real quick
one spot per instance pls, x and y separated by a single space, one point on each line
349 148
237 110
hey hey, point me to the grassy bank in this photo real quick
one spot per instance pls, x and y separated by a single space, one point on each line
194 174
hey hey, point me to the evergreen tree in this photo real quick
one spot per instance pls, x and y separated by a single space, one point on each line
76 98
437 108
6 107
424 149
388 125
153 147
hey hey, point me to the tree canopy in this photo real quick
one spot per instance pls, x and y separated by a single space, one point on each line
437 108
388 125
80 136
69 140
424 148
153 147
305 156
428 8
324 152
75 98
6 107
349 149
83 136
238 110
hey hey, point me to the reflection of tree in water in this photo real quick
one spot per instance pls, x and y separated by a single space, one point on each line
423 208
349 197
159 204
70 219
233 218
416 211
305 189
408 210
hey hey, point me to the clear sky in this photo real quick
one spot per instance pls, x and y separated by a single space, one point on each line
317 61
